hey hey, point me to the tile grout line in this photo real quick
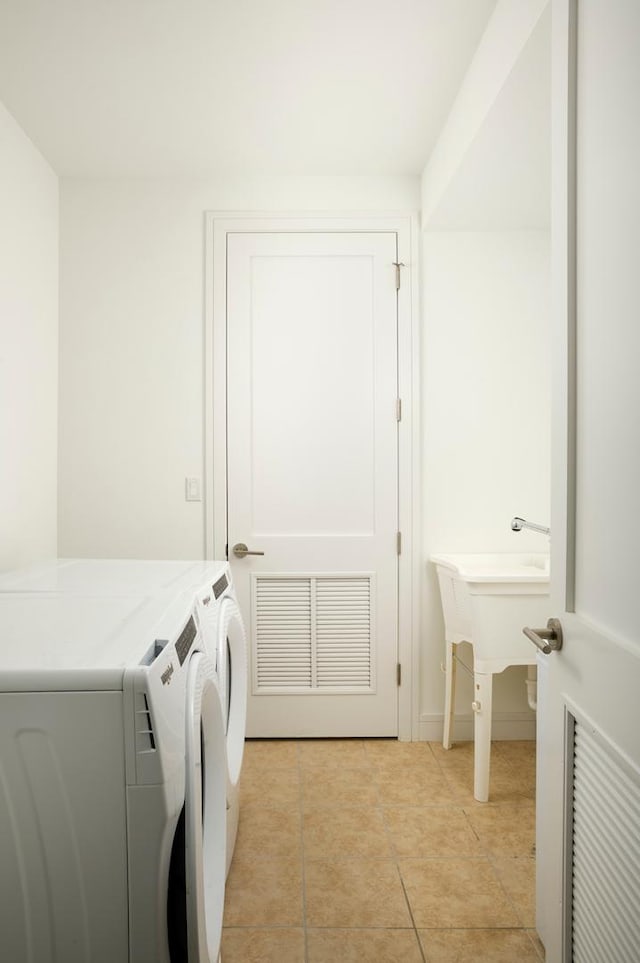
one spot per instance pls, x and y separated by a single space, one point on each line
302 851
413 922
535 948
511 902
395 857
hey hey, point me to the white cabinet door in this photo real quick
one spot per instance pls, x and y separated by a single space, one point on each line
313 477
588 710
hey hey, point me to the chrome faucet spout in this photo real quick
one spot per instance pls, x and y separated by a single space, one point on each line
517 524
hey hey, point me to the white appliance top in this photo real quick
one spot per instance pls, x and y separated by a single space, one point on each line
98 576
53 642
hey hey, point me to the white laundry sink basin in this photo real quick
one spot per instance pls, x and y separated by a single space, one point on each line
499 569
488 598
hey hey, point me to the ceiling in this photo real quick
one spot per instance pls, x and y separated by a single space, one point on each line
199 87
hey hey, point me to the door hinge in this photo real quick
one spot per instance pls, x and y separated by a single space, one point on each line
398 409
397 265
399 674
399 543
226 551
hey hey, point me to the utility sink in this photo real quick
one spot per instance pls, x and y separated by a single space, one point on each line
487 599
498 568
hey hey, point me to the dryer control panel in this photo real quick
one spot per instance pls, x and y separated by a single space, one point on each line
185 640
219 586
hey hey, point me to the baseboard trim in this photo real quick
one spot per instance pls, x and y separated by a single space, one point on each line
505 726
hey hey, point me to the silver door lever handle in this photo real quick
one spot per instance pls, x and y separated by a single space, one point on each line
240 550
547 640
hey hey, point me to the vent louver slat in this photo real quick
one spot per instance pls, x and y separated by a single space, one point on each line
313 633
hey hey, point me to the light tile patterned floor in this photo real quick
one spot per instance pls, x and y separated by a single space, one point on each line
375 851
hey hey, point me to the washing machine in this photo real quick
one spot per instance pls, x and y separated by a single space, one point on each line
220 621
113 781
224 634
106 576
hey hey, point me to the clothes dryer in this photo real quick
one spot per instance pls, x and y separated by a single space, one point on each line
224 634
220 620
113 783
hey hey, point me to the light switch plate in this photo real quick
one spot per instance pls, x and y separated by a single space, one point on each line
192 489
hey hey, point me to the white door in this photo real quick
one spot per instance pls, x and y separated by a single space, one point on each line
589 710
313 477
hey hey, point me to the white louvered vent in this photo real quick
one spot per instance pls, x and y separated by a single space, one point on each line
343 632
605 890
283 632
313 633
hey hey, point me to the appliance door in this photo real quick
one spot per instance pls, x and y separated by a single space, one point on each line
232 678
205 811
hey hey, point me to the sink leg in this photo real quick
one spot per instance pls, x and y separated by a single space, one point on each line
449 692
483 688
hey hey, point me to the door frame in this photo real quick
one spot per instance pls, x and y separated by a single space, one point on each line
217 226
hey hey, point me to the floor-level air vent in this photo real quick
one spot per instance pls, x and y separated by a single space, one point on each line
313 633
343 632
605 877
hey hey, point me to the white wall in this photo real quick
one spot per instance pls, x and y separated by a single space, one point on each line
28 349
131 346
486 337
508 33
486 425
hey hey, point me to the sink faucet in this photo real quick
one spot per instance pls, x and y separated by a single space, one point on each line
517 524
